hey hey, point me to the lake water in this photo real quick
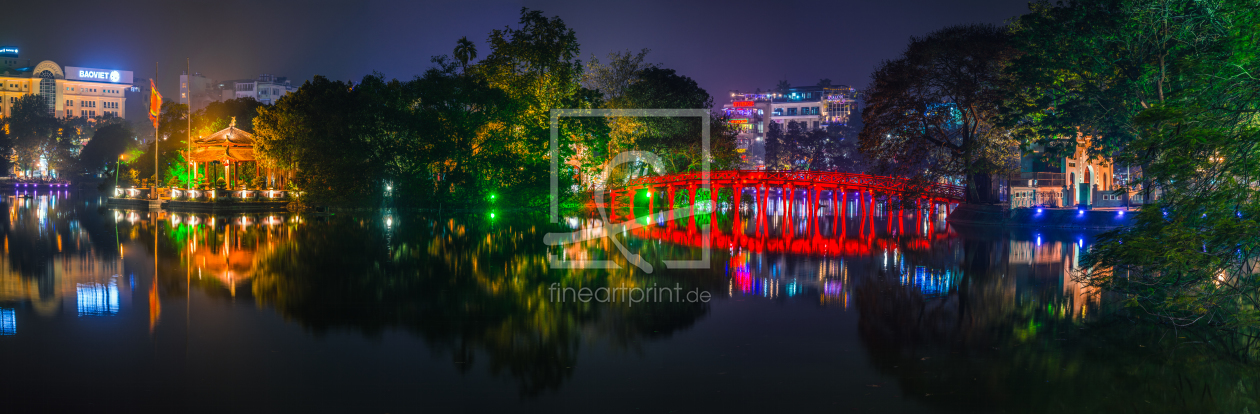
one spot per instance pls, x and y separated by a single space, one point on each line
115 310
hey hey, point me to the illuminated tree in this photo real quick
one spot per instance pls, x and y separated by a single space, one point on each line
932 113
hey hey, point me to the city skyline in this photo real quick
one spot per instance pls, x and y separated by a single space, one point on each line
721 48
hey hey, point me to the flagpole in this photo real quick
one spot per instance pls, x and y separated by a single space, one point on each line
188 90
156 169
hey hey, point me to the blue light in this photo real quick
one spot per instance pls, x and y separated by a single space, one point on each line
1121 213
95 299
1038 210
8 322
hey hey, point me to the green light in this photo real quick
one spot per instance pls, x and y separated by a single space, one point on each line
491 215
492 196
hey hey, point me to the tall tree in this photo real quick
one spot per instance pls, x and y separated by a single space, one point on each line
342 139
783 87
932 113
612 79
465 51
1167 86
106 145
536 65
33 132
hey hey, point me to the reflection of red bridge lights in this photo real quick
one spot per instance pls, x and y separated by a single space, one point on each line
814 245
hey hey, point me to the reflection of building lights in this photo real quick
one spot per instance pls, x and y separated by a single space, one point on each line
8 322
95 299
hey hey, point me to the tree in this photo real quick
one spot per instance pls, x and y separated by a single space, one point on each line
340 138
536 65
932 113
219 114
464 152
465 51
106 145
1167 86
797 147
783 87
614 78
173 139
33 132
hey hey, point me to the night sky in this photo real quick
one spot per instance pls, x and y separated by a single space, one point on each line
723 45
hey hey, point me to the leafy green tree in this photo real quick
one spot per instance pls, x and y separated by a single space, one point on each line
537 66
342 139
106 145
932 113
464 154
1183 103
173 135
219 114
33 133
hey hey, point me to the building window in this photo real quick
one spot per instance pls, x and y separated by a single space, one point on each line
69 103
791 111
48 89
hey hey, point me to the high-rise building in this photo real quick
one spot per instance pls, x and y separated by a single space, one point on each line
69 91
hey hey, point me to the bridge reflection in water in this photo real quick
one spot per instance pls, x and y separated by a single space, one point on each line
475 290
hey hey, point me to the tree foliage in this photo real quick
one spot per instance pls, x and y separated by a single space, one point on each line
1168 86
933 113
479 133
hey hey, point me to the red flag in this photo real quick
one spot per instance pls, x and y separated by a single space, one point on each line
155 104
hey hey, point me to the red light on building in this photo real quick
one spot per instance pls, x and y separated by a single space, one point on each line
739 121
742 104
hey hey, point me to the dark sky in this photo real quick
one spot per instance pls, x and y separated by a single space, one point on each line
723 45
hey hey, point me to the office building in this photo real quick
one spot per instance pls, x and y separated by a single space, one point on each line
70 91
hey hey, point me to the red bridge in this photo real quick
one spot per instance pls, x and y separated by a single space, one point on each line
765 185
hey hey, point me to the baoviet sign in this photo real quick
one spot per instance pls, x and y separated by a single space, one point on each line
98 75
742 104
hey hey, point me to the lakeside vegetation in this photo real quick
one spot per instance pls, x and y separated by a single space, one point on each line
1165 87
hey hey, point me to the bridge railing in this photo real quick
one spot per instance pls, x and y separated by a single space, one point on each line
803 178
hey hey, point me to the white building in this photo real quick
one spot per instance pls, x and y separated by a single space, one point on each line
266 89
817 107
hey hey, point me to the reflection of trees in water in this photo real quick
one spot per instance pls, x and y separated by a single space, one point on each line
988 346
469 288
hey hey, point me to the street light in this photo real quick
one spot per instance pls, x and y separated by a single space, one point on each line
121 158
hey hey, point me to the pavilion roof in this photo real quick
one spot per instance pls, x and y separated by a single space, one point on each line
229 137
219 153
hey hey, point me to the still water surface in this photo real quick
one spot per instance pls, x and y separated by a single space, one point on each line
119 310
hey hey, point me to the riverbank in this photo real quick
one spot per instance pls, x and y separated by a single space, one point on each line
996 215
228 206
